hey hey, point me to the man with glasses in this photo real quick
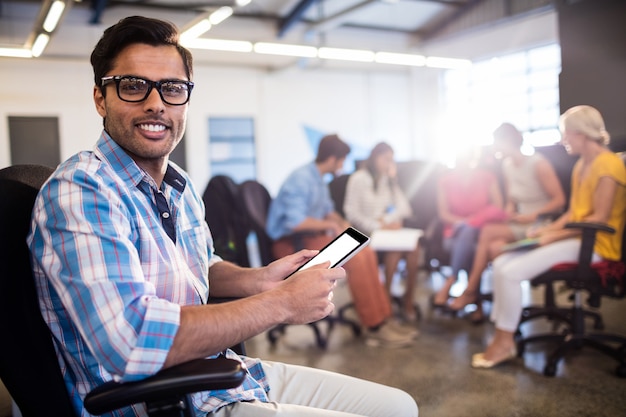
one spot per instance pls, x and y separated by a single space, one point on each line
123 258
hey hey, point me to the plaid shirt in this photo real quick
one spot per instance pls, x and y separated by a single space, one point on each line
111 281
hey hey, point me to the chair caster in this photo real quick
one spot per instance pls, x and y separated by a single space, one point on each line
549 369
273 337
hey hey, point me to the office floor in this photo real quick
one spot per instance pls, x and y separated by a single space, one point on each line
436 371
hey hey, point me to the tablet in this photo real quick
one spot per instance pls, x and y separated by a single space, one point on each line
340 250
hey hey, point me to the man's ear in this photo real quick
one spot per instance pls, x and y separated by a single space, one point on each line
98 99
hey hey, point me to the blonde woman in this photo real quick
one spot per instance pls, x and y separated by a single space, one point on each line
598 195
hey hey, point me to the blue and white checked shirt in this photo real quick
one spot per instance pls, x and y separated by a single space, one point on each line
111 281
303 194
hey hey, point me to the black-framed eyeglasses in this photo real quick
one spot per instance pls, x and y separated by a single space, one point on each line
134 89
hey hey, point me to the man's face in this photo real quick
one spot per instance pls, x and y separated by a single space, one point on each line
148 130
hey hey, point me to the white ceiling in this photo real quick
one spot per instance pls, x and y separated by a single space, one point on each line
379 25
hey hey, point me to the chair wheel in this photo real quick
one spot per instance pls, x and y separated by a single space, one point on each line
272 339
549 370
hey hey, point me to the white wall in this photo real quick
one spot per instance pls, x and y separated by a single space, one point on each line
362 106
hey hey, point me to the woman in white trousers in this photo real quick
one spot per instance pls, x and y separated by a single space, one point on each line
598 195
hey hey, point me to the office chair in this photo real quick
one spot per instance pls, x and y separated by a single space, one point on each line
228 226
337 188
600 279
28 365
256 200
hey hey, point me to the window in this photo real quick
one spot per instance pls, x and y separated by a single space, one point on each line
232 147
521 88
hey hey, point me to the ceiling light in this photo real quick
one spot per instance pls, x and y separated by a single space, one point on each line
40 44
220 15
54 14
400 59
447 63
196 30
242 3
285 49
360 55
16 52
218 45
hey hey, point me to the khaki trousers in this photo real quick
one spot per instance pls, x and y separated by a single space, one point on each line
308 392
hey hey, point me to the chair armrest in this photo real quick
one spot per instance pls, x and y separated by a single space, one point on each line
590 225
189 377
589 230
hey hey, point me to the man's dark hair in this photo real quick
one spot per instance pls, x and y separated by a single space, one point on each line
331 145
132 30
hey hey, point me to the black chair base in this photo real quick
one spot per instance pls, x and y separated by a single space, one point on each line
568 342
321 337
573 337
558 315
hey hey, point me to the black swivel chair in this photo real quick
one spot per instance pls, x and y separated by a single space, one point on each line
28 364
228 226
256 201
597 280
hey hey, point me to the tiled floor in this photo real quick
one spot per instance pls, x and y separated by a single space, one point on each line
436 371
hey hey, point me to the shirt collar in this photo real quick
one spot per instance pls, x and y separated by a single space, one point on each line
108 150
316 172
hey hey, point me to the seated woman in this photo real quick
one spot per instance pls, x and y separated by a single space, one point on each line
373 201
598 195
532 189
468 197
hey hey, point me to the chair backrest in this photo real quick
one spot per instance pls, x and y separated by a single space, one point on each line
28 363
229 226
337 189
256 201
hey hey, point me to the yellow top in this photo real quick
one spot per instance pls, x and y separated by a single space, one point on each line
607 164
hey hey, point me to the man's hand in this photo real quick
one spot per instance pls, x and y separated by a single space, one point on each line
307 295
274 274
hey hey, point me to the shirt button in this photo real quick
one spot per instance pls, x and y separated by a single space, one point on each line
165 215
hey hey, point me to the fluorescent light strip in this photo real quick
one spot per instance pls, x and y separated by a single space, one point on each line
196 30
447 63
285 49
16 52
54 14
218 45
40 44
220 15
359 55
400 59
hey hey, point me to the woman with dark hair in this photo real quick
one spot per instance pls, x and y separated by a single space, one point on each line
374 201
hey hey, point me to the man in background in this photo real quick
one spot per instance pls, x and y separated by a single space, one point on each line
303 216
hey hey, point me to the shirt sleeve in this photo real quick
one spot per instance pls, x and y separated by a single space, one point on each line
82 250
290 207
359 186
